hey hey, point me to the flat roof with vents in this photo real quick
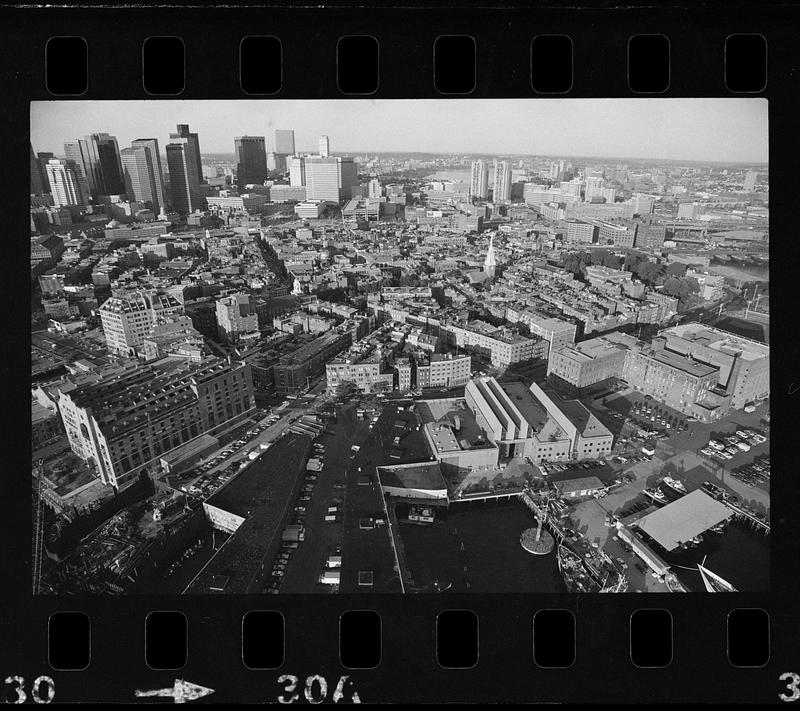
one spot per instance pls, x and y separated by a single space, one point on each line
679 522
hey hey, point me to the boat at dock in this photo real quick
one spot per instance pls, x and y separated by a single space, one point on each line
675 484
572 570
656 495
673 584
421 515
714 583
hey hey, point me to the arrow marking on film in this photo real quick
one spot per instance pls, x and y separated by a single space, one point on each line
181 692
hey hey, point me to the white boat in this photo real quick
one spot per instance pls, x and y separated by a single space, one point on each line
713 582
656 495
675 484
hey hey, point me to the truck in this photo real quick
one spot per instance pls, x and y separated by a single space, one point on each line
293 533
750 407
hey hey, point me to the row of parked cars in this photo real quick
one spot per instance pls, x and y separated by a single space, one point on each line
233 446
644 413
757 472
297 522
728 447
629 460
553 467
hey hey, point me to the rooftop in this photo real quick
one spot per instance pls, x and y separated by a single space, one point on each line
687 365
719 340
532 410
422 475
682 520
585 422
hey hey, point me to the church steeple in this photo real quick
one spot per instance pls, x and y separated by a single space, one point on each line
490 264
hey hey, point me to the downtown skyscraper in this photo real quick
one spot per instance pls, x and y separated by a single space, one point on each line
251 160
66 186
185 170
144 179
96 157
284 143
193 143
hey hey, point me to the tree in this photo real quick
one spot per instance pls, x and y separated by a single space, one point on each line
672 286
692 284
409 280
676 269
346 389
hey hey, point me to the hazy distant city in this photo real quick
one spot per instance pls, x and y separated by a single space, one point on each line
274 370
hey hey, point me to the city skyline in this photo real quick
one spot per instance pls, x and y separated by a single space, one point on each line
713 130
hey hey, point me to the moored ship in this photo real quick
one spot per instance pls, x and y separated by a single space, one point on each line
675 484
573 571
714 583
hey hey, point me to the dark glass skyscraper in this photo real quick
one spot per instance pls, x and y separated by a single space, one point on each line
97 159
183 181
194 146
251 158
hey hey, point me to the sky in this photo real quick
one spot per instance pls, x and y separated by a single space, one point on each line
729 130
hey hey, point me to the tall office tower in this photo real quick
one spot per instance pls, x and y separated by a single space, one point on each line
502 181
324 146
65 185
251 160
42 158
330 179
553 170
183 172
284 142
142 177
297 171
104 153
97 159
78 152
194 146
151 144
750 179
375 188
37 186
479 180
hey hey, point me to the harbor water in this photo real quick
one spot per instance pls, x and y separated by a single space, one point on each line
740 555
475 547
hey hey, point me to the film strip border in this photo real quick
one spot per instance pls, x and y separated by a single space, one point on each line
496 652
454 60
412 52
420 649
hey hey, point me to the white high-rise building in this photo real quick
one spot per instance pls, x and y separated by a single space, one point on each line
324 146
127 319
502 181
330 179
65 183
479 180
375 188
297 171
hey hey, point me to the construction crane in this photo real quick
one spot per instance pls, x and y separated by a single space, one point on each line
38 528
